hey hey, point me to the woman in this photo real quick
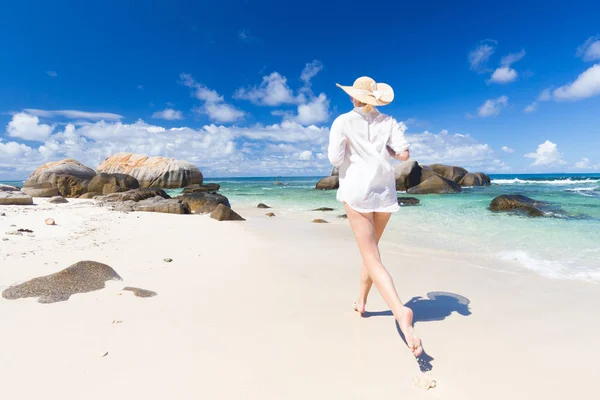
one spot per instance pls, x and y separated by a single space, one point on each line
361 144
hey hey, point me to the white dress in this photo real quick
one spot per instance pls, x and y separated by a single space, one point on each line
358 143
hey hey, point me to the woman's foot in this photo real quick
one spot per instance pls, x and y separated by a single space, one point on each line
406 326
359 307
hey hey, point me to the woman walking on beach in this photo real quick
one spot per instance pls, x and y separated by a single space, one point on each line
362 143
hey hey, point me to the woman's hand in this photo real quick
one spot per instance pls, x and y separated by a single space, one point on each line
404 156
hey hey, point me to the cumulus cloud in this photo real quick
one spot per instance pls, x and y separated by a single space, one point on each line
272 91
27 127
507 149
454 149
492 107
314 112
503 75
74 114
583 164
590 50
547 155
480 55
214 105
586 85
169 114
275 91
545 95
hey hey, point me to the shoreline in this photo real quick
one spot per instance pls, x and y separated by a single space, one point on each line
263 309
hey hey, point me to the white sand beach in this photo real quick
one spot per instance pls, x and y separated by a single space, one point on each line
262 309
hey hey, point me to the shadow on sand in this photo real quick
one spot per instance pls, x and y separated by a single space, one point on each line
437 306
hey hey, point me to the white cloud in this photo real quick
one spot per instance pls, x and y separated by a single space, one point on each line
310 71
545 95
454 149
503 75
52 74
314 112
531 108
512 58
140 87
244 35
306 155
74 114
221 112
479 56
586 85
507 149
583 164
27 127
590 50
547 154
492 107
272 91
214 104
168 114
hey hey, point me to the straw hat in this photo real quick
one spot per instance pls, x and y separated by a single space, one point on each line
367 91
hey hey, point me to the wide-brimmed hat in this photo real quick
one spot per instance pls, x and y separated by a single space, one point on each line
367 91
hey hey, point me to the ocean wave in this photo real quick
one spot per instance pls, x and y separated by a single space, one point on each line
557 182
552 268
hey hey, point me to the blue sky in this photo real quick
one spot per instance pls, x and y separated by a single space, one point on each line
248 87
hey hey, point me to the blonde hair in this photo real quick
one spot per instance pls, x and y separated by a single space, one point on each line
367 107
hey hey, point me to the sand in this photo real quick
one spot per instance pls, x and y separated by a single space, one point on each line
262 309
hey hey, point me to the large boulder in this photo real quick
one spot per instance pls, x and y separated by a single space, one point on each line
160 205
518 203
335 171
328 183
427 172
153 172
104 183
69 176
81 277
435 184
224 213
204 202
15 199
408 174
8 188
209 187
41 190
449 172
133 195
476 179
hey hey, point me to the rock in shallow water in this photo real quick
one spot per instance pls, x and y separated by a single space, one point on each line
435 185
408 201
81 277
516 202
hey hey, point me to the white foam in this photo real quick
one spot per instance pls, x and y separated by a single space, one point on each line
557 182
551 268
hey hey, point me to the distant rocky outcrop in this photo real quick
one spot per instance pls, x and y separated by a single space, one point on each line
82 277
518 203
435 185
68 178
449 172
153 172
477 179
15 199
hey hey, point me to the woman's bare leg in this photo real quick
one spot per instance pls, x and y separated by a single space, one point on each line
364 232
380 221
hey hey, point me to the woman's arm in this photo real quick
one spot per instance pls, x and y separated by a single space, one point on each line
397 144
404 156
337 144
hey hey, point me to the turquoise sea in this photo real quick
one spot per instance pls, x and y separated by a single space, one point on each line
564 244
